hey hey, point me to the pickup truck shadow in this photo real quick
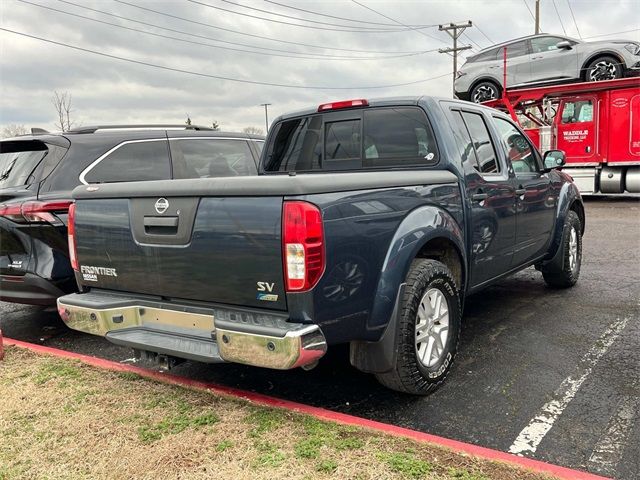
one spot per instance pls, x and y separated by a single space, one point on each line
336 385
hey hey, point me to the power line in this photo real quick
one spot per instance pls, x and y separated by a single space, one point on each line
574 19
307 20
360 29
396 21
195 22
333 16
472 40
612 33
559 18
484 34
217 77
301 55
530 12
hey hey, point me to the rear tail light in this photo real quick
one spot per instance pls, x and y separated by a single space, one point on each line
71 235
361 102
303 245
35 212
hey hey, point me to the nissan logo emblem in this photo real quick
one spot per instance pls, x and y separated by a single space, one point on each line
161 205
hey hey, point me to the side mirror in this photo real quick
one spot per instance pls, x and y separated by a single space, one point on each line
554 159
564 45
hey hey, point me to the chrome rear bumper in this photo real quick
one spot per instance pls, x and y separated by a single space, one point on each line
196 333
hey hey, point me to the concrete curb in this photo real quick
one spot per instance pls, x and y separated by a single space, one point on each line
321 413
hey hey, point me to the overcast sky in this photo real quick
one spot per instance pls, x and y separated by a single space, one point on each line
108 90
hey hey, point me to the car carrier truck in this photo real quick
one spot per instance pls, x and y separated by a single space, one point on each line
596 124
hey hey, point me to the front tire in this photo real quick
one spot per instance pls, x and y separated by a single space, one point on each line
428 330
484 91
603 68
564 272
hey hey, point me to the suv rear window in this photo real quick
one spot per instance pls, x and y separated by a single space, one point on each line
202 157
372 138
18 160
130 162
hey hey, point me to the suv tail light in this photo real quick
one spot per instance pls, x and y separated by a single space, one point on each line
303 245
361 102
35 212
71 236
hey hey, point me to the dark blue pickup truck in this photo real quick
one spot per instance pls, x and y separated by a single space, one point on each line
369 224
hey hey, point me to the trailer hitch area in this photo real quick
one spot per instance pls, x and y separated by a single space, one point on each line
159 360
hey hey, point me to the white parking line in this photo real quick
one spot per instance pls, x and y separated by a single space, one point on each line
531 436
608 451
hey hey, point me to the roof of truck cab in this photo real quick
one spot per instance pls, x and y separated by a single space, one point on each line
374 102
385 102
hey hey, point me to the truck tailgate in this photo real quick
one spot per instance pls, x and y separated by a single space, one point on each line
211 249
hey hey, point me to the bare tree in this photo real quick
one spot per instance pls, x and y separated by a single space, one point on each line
215 125
62 104
253 130
13 130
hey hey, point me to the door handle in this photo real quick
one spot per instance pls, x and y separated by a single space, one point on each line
478 197
521 191
537 58
160 221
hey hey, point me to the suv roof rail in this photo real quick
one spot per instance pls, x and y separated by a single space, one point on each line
155 126
38 131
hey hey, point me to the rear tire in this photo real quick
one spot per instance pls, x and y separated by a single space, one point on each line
484 91
564 272
428 330
603 68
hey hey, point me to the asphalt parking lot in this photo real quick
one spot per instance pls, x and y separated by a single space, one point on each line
550 374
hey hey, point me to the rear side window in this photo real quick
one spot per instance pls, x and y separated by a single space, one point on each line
297 145
372 138
467 153
483 57
485 151
135 161
18 160
201 158
516 49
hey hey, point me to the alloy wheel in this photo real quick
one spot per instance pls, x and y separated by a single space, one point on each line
432 327
484 93
573 249
603 70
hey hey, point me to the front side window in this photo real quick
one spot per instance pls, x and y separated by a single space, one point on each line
487 159
398 137
545 44
580 111
202 158
519 150
135 161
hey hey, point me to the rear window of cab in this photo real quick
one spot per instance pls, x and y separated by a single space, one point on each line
353 140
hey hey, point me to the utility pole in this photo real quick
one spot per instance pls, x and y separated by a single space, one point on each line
537 17
455 30
266 116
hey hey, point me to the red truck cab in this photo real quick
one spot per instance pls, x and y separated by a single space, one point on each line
596 124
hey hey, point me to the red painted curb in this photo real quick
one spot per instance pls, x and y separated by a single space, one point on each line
321 413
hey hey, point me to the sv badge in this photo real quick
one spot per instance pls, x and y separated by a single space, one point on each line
265 286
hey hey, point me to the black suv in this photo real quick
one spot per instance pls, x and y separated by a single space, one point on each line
39 171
